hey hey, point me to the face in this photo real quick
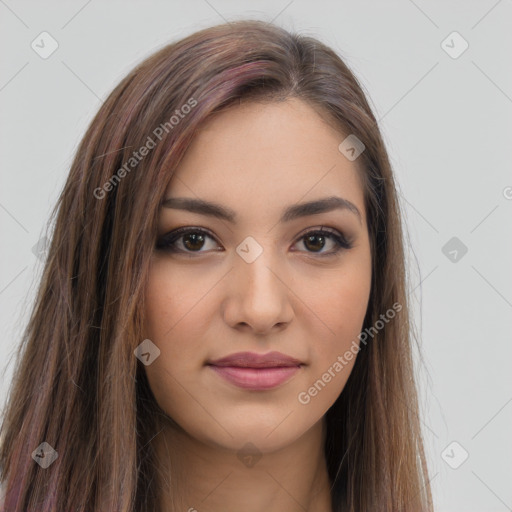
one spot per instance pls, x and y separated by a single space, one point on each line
260 276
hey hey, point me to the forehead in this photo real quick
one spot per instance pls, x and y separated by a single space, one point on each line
262 156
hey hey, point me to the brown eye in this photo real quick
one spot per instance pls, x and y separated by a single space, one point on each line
193 241
315 241
185 240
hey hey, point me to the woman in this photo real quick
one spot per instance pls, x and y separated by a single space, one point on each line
222 321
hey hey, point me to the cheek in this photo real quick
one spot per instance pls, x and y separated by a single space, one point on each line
176 304
342 300
346 308
168 318
341 305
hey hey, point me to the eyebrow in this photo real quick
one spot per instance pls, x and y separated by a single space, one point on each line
292 212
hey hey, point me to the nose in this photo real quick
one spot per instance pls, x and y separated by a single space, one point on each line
258 297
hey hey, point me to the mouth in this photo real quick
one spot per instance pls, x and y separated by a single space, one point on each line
257 379
256 372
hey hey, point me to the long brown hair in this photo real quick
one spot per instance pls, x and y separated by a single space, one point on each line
77 384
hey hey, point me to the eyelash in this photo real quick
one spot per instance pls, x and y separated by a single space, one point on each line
165 243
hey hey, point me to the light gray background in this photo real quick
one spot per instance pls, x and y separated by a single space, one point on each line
447 123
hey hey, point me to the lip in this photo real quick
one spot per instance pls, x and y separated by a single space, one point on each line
254 360
249 370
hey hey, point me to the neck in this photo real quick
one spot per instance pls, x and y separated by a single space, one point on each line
195 476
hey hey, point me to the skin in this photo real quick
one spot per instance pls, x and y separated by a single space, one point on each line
255 159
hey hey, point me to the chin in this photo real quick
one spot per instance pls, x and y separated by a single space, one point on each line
266 436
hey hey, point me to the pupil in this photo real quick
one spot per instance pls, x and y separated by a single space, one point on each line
196 238
314 246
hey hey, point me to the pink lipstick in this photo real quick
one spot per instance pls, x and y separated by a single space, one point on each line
256 372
